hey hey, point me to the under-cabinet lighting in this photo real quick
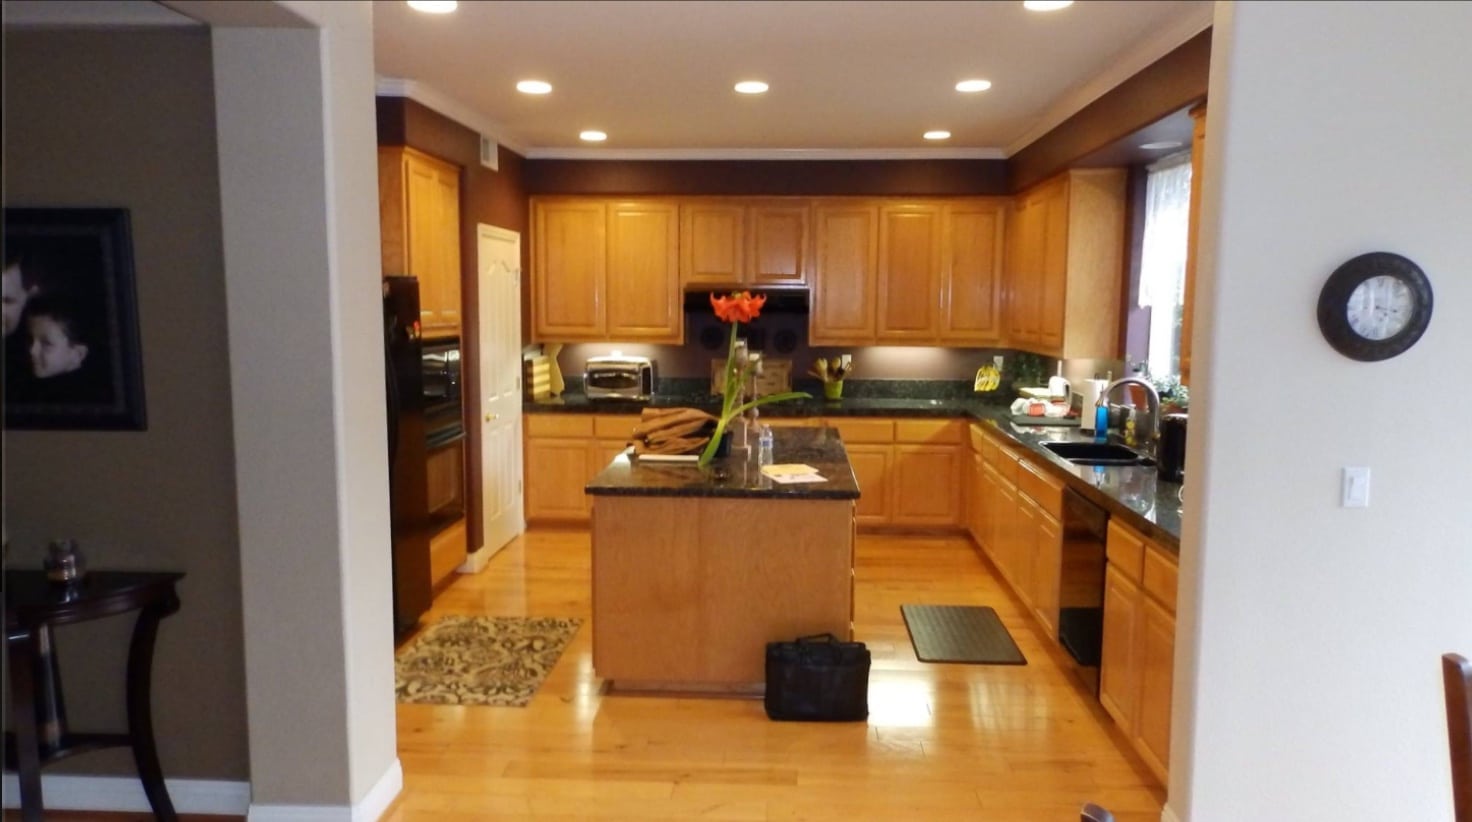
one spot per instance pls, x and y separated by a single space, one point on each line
434 6
971 86
593 136
751 87
937 135
1046 5
534 87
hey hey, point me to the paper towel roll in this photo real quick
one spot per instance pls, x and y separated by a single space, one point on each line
1089 394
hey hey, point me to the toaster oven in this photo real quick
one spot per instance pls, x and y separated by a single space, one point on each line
618 377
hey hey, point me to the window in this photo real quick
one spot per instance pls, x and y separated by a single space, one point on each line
1163 260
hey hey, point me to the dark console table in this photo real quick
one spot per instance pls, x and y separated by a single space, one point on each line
33 606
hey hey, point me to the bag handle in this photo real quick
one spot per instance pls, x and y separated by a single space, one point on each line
815 638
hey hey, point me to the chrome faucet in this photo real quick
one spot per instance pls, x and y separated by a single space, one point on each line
1145 431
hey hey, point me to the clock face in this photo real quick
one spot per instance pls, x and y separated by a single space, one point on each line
1380 307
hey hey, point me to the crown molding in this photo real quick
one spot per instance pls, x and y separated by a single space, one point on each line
450 107
554 153
1129 64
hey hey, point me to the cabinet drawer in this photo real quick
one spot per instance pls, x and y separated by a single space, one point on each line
1126 551
1007 461
864 430
559 425
935 432
444 477
447 551
1159 577
1044 490
614 427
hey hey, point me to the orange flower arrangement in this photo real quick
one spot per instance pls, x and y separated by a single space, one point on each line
739 307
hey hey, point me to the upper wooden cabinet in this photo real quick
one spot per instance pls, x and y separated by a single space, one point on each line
971 272
908 272
1193 233
1065 265
910 238
744 242
419 219
845 255
605 269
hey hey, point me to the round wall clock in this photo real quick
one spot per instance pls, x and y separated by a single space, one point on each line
1375 306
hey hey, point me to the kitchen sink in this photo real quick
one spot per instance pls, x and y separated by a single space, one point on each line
1097 453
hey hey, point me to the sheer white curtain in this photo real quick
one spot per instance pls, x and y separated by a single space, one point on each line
1163 258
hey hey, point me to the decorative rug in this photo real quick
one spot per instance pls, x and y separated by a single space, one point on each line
960 633
462 660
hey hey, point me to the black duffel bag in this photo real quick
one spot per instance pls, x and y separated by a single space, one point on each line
817 679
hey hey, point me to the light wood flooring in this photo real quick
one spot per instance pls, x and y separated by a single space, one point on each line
943 742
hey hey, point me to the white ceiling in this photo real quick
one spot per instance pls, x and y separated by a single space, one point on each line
847 78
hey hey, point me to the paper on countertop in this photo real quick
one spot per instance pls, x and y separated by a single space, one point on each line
792 473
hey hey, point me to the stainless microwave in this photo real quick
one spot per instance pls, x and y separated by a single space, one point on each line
618 377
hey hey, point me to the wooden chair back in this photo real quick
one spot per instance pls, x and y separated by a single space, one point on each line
1457 673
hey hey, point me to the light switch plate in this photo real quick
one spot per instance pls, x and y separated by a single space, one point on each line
1355 487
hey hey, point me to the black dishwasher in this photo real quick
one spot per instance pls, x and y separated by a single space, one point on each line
1081 584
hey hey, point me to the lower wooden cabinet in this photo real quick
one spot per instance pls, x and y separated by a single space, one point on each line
1137 665
564 451
447 551
911 472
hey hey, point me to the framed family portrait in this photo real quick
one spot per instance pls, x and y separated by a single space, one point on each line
72 356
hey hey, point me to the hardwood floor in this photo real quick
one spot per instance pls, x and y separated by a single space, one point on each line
974 742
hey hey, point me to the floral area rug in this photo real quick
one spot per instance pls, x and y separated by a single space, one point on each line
462 660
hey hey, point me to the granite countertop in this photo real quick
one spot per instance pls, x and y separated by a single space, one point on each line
738 475
1133 493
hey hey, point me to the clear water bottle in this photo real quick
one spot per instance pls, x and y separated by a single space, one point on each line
764 445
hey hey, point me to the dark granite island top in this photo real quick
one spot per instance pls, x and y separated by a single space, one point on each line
737 475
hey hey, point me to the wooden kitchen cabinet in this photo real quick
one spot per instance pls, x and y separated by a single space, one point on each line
742 242
971 272
1138 656
1065 265
606 270
910 471
644 298
909 272
419 222
845 260
563 452
1193 235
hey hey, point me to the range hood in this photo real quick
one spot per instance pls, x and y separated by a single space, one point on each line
786 301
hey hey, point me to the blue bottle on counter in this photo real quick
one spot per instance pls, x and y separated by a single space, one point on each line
1101 420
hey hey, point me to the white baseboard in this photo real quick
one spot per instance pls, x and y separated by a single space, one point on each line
372 806
476 561
1168 814
122 793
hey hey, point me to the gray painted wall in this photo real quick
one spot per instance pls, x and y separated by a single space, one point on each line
126 118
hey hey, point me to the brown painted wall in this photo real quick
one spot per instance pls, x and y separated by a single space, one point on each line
496 198
1168 85
126 118
878 178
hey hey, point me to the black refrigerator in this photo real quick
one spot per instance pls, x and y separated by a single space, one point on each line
407 451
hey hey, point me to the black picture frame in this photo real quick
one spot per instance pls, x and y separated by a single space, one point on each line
72 357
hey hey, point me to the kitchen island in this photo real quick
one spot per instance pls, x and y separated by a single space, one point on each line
696 569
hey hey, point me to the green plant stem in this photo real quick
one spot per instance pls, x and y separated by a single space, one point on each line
735 378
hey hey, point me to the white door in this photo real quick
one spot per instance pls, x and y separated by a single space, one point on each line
499 264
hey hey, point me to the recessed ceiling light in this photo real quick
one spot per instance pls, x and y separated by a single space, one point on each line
534 87
433 6
751 87
1161 145
592 136
973 85
937 135
1046 5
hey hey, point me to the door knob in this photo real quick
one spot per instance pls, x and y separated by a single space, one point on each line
492 417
